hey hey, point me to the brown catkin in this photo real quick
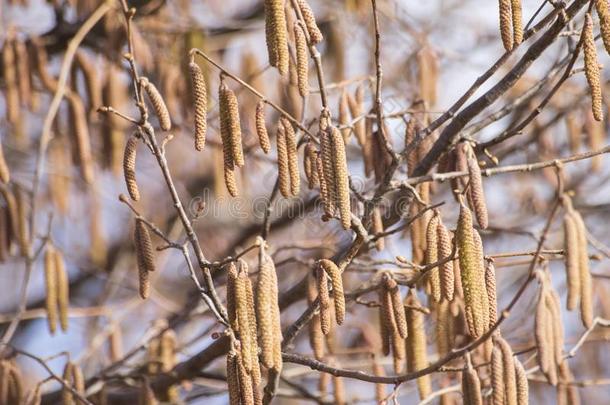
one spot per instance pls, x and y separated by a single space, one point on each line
9 69
341 178
302 60
245 383
572 260
327 169
490 286
476 193
603 13
200 99
92 82
324 298
316 338
232 378
310 22
505 24
553 304
310 163
380 391
445 249
416 344
230 125
432 257
82 137
51 288
156 100
386 319
145 256
21 222
231 296
129 168
276 35
522 384
266 304
344 115
243 319
586 287
497 376
544 343
592 68
5 175
63 290
471 386
334 273
510 382
398 309
356 109
293 158
377 228
15 385
282 161
517 22
24 79
261 128
472 275
68 376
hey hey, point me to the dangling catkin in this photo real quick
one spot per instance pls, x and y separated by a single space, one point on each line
51 288
328 170
92 82
311 165
417 356
397 307
4 172
380 391
156 100
310 22
293 159
21 224
432 257
553 306
445 249
377 228
497 376
386 319
282 161
592 68
266 305
505 24
145 256
302 60
472 276
334 273
276 35
490 286
603 13
261 128
510 382
324 298
316 338
81 135
9 70
522 384
243 320
63 290
544 341
586 289
129 168
233 379
517 22
230 125
344 115
572 260
476 193
356 109
200 98
471 386
341 178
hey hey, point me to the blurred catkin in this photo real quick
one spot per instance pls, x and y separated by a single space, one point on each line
592 68
586 287
417 356
572 260
63 289
50 288
200 99
4 171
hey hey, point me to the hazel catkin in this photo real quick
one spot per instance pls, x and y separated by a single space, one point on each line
129 168
310 22
200 99
158 104
341 178
276 35
145 256
302 60
51 289
337 282
505 24
261 128
63 290
592 68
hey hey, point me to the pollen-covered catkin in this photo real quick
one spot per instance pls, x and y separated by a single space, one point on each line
490 286
276 35
471 386
282 161
416 344
572 260
310 22
505 24
293 159
476 193
230 125
432 257
50 288
341 178
200 98
129 168
517 17
592 68
522 384
400 317
156 100
324 298
337 282
472 275
553 304
497 376
261 128
302 60
63 290
445 249
316 338
586 287
311 165
266 305
510 382
603 12
232 378
243 320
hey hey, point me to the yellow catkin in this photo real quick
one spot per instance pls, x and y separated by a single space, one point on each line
476 193
377 228
334 273
5 175
572 397
245 383
92 82
316 338
410 133
24 79
517 18
339 391
472 276
115 343
445 249
356 109
324 298
21 223
522 384
471 386
553 305
592 68
82 137
113 94
327 169
282 161
310 163
156 100
230 125
341 178
572 264
344 120
63 290
261 128
510 381
604 22
505 24
243 320
167 350
293 159
68 376
231 296
9 69
543 342
233 379
586 287
129 168
397 308
416 344
497 376
380 391
266 305
200 99
253 327
490 286
432 257
302 60
144 255
51 288
276 35
310 22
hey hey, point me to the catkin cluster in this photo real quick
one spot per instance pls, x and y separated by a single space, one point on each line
287 159
578 276
230 133
508 379
276 35
511 25
11 383
57 288
392 321
73 376
144 255
161 358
